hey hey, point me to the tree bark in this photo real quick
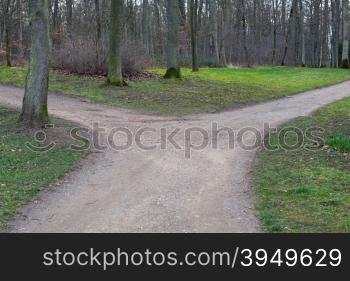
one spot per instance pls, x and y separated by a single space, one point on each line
55 15
325 35
174 70
226 7
69 15
335 32
98 32
193 22
244 31
274 50
115 76
34 110
289 32
346 34
7 20
213 33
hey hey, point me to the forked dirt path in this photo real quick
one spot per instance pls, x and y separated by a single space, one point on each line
159 190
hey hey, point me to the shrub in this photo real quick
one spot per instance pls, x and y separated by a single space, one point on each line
81 57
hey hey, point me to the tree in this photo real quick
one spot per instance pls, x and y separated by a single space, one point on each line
172 51
115 76
98 31
325 37
335 32
34 110
289 32
226 24
193 23
69 15
244 30
213 33
8 11
146 27
346 36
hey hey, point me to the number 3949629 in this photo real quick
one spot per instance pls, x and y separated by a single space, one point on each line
291 258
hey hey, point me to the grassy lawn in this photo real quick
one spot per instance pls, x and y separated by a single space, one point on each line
24 173
210 90
309 190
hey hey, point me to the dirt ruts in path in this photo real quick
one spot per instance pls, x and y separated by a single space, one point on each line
160 190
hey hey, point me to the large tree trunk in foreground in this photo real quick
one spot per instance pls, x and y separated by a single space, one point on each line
346 31
34 110
173 38
115 76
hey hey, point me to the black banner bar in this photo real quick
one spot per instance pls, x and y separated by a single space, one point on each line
167 255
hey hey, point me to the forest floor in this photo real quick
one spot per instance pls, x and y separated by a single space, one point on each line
208 91
161 190
307 189
24 172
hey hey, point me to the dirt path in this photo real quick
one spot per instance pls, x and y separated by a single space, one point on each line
159 190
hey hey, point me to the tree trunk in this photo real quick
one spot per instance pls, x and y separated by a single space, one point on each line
34 110
8 44
213 33
274 50
289 32
115 76
146 27
325 35
316 33
55 15
226 6
7 32
244 31
194 21
174 70
335 32
69 15
302 34
98 32
346 34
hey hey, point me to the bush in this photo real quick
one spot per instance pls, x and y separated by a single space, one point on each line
81 57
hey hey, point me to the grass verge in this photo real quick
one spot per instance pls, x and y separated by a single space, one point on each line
210 90
308 189
23 172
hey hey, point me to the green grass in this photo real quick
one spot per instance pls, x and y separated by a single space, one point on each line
23 172
339 142
210 90
308 190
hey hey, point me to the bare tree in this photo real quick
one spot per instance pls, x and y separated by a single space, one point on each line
346 34
34 110
335 32
174 70
213 33
193 23
115 76
69 16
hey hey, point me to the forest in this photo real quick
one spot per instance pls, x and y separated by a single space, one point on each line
213 33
